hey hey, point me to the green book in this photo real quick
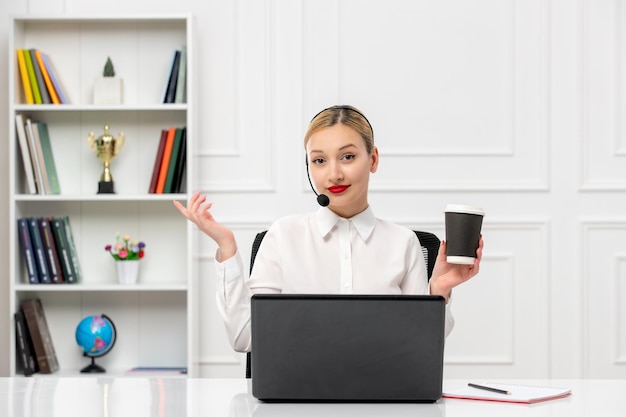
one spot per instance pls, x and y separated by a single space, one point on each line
171 168
31 76
46 147
78 272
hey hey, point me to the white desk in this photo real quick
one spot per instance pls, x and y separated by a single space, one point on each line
178 397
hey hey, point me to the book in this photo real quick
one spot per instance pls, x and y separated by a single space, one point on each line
63 249
43 91
52 255
171 168
21 64
181 82
45 354
78 272
41 162
526 394
167 153
157 162
34 156
46 78
38 250
31 76
32 275
157 370
25 151
48 157
170 92
24 345
54 78
179 173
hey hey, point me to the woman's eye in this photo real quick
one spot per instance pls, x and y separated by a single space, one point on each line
349 157
317 161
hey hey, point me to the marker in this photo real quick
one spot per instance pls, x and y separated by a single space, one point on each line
499 391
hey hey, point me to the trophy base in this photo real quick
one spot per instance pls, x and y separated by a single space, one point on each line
105 187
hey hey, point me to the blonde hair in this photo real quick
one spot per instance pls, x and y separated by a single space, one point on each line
346 115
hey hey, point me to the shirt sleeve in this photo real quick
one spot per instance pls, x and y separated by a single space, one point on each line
233 301
417 273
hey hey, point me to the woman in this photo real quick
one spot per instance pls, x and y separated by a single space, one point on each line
341 248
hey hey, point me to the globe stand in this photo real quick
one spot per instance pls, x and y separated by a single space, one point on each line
92 368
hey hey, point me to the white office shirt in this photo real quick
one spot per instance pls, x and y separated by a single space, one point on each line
322 253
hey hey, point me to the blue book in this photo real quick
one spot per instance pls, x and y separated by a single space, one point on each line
39 251
28 251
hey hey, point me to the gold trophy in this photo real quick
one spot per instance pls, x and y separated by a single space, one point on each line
106 147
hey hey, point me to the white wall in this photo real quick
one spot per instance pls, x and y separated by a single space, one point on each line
512 105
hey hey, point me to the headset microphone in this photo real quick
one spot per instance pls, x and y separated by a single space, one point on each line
322 199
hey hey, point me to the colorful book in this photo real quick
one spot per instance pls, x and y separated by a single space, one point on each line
46 78
170 95
171 168
34 156
45 97
25 351
78 272
21 63
54 78
63 249
157 162
181 161
25 151
28 251
48 157
167 153
38 250
40 335
52 255
181 82
31 76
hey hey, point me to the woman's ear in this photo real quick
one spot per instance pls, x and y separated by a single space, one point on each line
374 158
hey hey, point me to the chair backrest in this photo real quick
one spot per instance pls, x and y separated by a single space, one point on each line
430 250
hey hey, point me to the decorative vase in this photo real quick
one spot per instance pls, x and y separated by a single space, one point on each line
107 90
127 271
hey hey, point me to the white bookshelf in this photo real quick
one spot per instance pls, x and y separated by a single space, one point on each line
154 318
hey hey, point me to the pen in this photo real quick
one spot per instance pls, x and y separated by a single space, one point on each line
499 391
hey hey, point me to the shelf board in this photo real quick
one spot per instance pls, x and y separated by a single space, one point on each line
30 108
100 197
113 287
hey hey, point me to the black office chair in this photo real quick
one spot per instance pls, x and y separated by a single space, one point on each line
430 249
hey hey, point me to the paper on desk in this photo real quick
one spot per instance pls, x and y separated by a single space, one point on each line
519 393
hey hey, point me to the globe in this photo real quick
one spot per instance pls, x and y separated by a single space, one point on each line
96 336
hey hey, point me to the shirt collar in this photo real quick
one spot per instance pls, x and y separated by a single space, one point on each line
363 222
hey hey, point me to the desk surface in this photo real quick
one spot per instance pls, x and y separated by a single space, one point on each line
176 397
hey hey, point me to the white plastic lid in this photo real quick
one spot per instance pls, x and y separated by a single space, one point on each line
462 208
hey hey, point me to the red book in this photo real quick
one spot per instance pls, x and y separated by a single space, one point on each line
157 162
167 153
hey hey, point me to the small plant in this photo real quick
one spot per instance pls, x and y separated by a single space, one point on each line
109 71
125 250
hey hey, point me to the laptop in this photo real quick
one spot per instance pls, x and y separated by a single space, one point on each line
347 347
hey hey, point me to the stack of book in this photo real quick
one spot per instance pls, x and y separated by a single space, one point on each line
169 163
37 156
48 250
176 83
35 349
40 82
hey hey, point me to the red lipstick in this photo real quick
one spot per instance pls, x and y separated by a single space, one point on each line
336 189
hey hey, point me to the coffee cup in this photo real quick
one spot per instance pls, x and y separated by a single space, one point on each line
463 225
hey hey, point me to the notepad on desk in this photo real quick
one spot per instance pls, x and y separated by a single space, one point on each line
525 394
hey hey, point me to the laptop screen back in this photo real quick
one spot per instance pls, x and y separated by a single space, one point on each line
347 347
